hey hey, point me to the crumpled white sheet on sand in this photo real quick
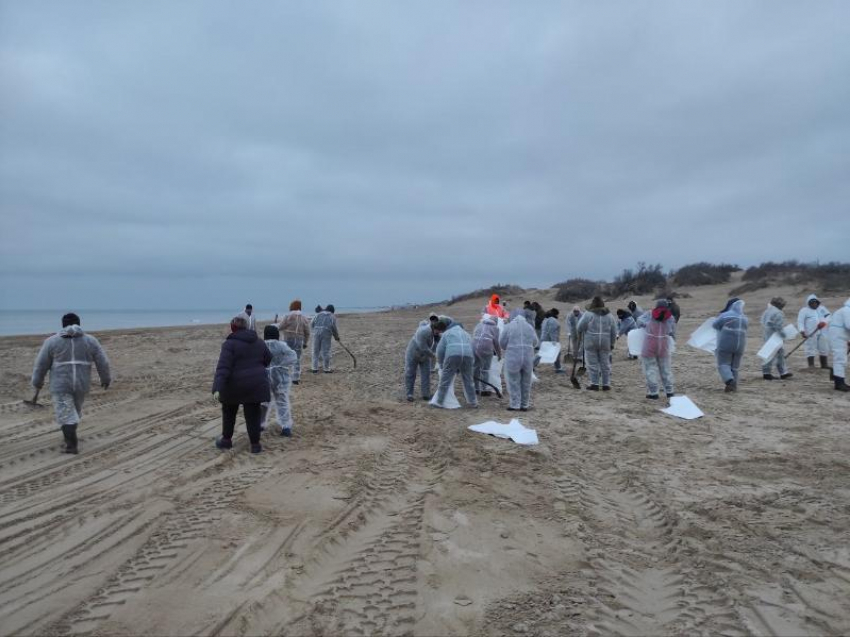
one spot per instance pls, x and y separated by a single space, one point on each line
683 407
513 430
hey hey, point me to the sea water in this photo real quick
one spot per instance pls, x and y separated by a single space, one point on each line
19 322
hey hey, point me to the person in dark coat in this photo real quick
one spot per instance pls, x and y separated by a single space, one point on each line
674 308
241 379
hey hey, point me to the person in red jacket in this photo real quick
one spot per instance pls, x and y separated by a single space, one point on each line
493 308
241 379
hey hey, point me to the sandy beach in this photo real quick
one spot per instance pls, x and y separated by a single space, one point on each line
383 517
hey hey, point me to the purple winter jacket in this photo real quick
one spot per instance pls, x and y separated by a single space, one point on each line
241 372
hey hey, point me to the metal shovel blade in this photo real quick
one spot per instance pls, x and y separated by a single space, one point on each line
34 402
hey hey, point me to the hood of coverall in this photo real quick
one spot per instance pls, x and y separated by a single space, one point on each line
72 331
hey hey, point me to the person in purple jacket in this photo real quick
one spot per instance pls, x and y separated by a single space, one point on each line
241 379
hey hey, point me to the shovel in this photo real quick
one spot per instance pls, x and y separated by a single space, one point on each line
495 389
349 353
796 347
581 370
34 402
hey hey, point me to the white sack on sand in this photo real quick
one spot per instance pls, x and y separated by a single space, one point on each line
513 431
549 352
495 375
450 401
683 407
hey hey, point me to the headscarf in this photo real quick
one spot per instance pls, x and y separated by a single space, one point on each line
271 333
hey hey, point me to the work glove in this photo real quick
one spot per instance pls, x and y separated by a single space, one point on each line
803 334
821 325
217 396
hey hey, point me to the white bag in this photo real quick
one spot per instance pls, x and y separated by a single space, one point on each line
494 377
450 401
635 340
705 337
549 352
775 342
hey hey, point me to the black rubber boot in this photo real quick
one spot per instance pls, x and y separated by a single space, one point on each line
70 434
840 385
811 360
824 362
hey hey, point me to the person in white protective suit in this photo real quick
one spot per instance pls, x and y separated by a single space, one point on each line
550 332
295 329
811 321
68 356
518 340
455 356
485 345
773 322
324 327
655 355
731 326
572 328
598 332
248 315
418 357
280 372
839 335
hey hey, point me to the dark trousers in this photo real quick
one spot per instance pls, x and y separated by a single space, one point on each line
252 420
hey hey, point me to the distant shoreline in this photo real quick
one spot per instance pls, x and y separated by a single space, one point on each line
43 323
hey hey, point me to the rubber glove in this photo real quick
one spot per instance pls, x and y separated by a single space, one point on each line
105 385
216 396
821 325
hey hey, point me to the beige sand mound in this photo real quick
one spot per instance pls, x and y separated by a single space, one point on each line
384 517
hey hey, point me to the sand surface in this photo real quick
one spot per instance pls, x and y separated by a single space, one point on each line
380 516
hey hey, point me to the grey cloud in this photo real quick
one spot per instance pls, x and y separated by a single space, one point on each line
401 152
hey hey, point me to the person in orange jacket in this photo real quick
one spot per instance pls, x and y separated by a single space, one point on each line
495 309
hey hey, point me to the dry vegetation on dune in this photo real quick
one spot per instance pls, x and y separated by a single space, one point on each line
383 517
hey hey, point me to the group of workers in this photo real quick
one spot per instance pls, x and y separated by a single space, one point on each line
258 373
513 337
252 372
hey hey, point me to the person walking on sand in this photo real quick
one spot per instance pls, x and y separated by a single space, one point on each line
250 319
68 356
518 340
485 345
280 380
572 328
494 308
296 333
550 332
839 335
636 310
660 327
731 328
598 331
324 328
811 321
241 379
773 322
419 356
454 355
625 325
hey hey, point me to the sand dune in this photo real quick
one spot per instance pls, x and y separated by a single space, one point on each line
383 517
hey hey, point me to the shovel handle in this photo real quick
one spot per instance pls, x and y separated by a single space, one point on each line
805 338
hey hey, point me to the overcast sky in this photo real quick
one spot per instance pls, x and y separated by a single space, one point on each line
205 154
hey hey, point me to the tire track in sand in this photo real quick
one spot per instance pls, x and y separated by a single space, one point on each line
168 545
